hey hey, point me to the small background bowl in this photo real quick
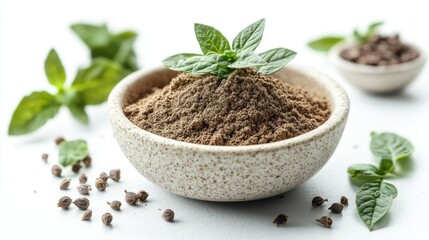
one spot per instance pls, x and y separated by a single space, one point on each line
228 173
378 79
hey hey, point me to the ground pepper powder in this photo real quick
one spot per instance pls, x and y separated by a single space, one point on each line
247 108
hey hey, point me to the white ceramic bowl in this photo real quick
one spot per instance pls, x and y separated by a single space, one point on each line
228 173
377 79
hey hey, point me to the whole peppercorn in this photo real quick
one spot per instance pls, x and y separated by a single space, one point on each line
87 161
76 167
318 201
336 208
83 178
131 198
59 140
81 203
65 183
326 221
56 170
86 215
344 201
100 184
45 157
115 205
84 189
142 196
104 176
115 174
64 202
168 215
107 218
280 219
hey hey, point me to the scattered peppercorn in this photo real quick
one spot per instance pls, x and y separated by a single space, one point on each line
87 161
64 202
142 196
280 219
318 201
168 215
115 205
86 215
83 178
59 140
107 218
326 221
100 184
76 167
56 170
336 208
81 203
131 198
104 176
45 157
115 174
344 201
65 183
84 189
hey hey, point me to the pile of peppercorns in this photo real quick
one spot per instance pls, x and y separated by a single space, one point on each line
317 201
101 184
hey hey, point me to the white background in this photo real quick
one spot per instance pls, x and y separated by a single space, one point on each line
28 192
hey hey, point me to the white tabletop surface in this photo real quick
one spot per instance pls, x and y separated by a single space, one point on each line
28 192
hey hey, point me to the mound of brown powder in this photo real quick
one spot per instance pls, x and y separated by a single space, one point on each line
247 108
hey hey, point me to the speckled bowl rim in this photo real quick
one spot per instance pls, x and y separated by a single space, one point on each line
334 56
340 103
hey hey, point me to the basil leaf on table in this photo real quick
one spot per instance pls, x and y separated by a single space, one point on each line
93 84
390 146
364 171
71 152
325 44
210 39
104 44
54 70
276 59
33 112
374 200
249 38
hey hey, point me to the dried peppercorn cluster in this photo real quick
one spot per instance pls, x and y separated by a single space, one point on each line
101 184
318 201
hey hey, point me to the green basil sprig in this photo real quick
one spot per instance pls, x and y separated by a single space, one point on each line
375 196
220 58
324 44
112 58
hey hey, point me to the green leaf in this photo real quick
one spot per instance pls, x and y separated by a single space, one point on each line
390 146
210 39
71 152
54 70
374 200
276 59
93 84
176 61
92 35
325 44
249 38
372 29
247 59
33 112
364 171
386 166
78 112
104 44
194 64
